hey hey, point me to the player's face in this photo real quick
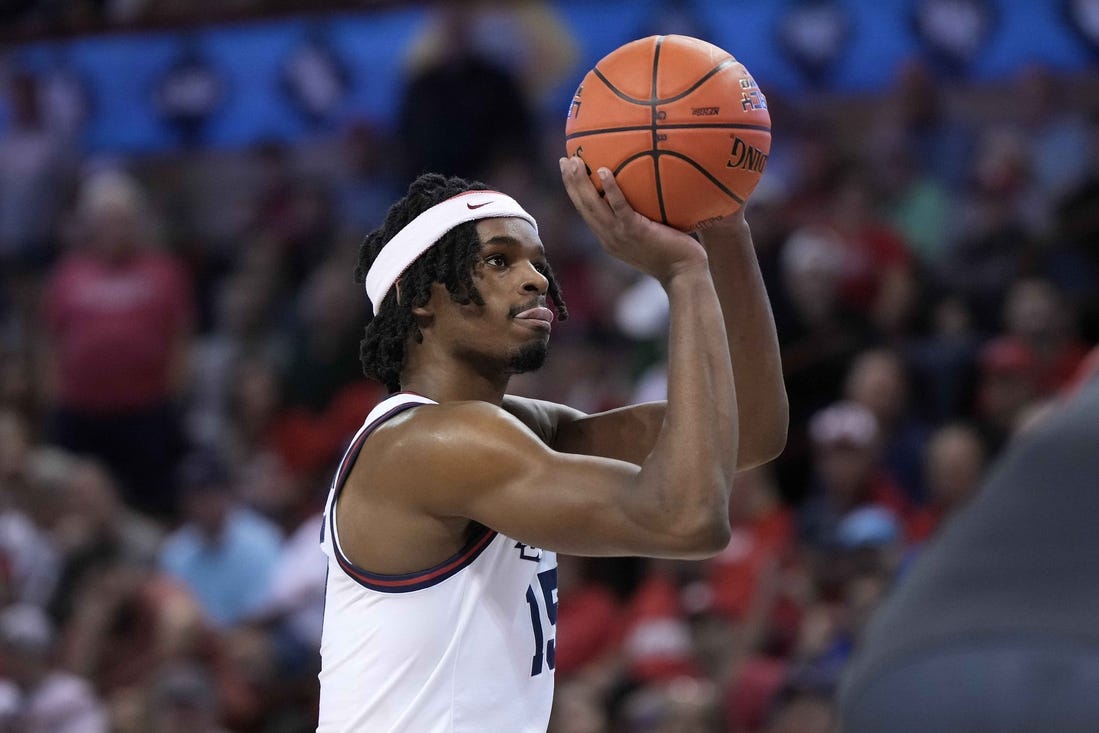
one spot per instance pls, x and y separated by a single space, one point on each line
511 276
513 326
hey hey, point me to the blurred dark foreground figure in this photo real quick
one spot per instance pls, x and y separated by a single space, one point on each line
994 628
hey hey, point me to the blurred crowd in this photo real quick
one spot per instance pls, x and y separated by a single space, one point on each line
179 373
26 19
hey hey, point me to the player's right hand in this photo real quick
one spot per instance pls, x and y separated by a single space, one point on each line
653 248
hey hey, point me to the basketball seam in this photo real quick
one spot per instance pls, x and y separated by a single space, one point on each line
653 120
676 126
632 158
691 161
647 102
724 64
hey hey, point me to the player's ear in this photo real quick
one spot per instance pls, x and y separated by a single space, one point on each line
423 313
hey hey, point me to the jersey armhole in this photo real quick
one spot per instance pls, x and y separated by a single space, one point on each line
478 540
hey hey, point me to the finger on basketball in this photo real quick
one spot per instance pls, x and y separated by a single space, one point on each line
613 194
568 177
583 194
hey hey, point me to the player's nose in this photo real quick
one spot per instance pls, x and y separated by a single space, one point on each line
534 281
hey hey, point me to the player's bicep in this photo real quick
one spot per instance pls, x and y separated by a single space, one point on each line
574 504
504 477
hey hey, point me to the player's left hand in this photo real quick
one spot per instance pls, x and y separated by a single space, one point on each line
722 232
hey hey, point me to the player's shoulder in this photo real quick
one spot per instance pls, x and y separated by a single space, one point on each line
453 443
444 425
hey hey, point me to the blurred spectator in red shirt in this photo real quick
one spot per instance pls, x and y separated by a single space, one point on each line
763 536
954 465
588 618
877 276
656 638
1005 390
1036 319
118 325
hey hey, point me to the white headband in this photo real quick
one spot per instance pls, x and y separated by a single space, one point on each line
426 229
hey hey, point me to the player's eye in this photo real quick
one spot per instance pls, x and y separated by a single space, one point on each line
542 268
496 261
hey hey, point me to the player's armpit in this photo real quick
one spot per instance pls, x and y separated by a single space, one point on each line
541 416
626 433
477 461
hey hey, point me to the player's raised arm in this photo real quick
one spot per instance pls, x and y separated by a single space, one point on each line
753 343
629 433
694 455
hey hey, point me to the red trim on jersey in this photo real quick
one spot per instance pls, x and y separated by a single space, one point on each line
424 578
411 581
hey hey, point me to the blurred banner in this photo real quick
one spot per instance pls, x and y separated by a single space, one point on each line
233 85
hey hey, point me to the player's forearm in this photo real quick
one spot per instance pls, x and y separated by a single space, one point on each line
691 467
753 343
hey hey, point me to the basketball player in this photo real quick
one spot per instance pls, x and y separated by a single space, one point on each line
444 517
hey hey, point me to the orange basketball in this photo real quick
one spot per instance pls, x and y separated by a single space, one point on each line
681 124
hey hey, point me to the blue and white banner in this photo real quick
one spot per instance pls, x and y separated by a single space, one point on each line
235 85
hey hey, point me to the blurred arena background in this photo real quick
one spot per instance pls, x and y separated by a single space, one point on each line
182 194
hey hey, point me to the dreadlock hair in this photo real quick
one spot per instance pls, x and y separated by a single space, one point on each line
449 261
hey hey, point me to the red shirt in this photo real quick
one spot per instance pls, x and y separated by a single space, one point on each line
115 327
1051 373
587 627
870 253
734 575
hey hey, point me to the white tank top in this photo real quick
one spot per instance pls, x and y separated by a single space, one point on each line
466 646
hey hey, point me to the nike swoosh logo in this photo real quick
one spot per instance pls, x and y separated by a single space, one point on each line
477 206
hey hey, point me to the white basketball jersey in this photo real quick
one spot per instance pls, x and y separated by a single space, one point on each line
464 647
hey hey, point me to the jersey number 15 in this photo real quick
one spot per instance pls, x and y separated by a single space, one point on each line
544 651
